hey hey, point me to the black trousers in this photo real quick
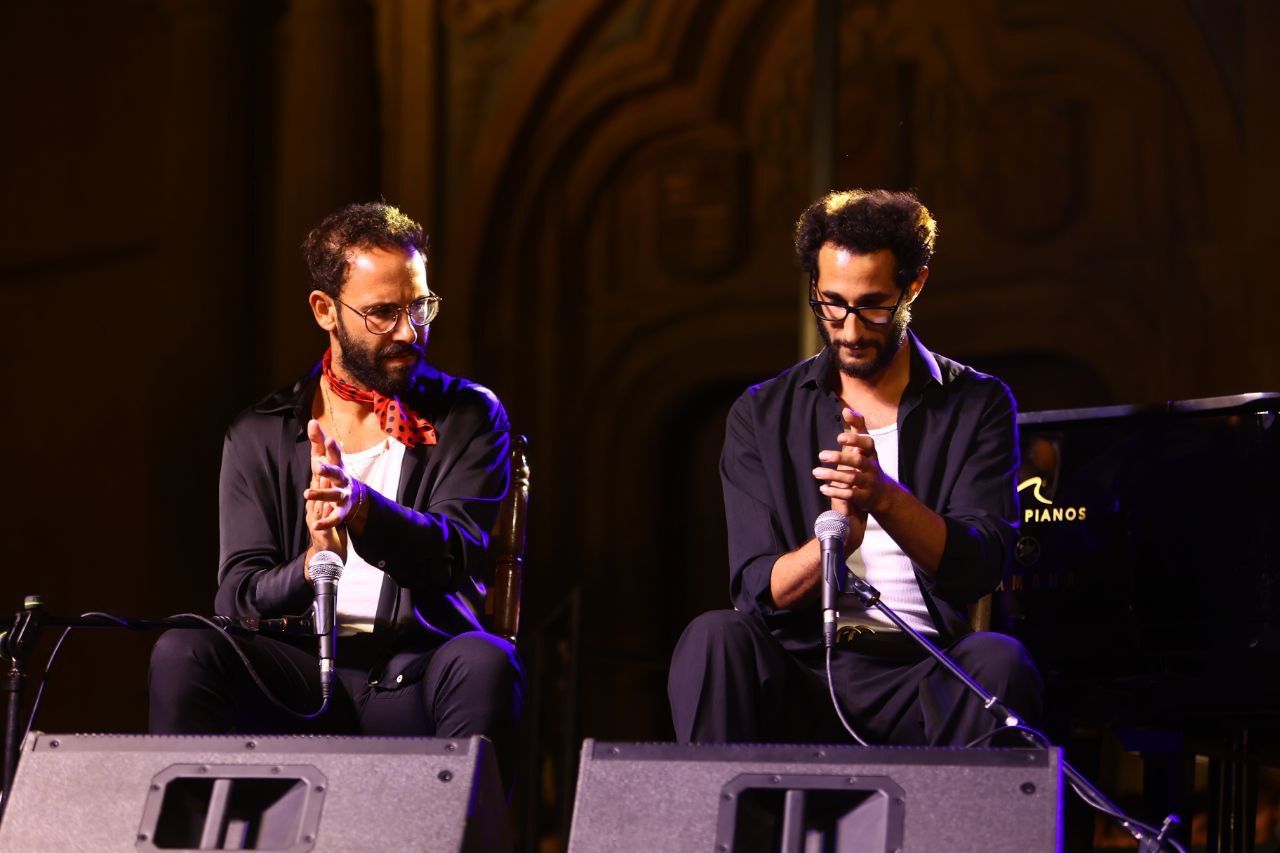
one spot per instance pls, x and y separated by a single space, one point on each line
472 684
731 680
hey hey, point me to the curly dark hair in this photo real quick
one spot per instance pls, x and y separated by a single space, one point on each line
372 225
866 221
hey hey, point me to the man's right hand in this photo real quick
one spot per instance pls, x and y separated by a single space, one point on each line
322 538
853 422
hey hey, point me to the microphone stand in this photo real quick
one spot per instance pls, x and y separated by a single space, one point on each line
1149 840
17 643
15 647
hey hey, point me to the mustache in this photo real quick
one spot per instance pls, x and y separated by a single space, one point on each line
397 350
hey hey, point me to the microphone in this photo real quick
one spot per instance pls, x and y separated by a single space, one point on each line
831 530
325 568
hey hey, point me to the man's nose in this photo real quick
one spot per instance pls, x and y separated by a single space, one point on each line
404 330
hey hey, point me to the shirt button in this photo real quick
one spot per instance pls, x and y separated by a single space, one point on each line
382 564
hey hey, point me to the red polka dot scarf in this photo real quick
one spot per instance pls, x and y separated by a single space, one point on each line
397 419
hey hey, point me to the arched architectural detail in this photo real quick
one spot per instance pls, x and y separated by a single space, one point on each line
625 235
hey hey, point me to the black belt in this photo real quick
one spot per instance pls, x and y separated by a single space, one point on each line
886 643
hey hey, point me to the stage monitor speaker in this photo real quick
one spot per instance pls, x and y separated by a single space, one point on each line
738 798
286 793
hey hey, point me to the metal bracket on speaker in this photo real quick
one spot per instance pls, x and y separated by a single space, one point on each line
233 807
807 811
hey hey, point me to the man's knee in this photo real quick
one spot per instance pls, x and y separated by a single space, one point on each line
719 645
715 633
484 657
720 677
188 685
996 656
181 651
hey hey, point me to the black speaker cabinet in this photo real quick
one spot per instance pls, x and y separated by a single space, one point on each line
286 793
845 799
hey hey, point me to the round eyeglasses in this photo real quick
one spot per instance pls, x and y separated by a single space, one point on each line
382 319
872 315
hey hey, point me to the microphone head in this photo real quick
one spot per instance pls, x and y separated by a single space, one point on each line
325 566
831 525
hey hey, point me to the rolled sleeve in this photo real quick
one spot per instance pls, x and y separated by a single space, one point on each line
981 514
755 537
255 578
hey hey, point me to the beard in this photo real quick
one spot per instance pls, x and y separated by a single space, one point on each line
883 349
367 365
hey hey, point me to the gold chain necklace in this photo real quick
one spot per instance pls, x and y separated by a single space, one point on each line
332 412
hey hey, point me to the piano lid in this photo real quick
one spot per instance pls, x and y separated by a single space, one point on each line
1149 535
1258 401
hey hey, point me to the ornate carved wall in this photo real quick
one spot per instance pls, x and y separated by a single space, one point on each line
617 187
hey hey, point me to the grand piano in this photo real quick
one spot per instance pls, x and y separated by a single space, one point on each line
1146 584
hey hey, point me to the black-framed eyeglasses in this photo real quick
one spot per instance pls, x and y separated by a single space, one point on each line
872 315
382 319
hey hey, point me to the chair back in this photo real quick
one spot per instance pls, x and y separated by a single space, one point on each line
980 614
506 547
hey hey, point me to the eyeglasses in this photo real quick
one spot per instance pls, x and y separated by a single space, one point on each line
872 315
384 318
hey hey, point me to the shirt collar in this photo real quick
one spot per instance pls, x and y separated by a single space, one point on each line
922 357
296 398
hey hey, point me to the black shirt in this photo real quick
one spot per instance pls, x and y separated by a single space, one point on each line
430 541
958 454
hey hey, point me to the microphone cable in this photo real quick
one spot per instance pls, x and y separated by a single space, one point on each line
835 703
48 668
253 674
257 679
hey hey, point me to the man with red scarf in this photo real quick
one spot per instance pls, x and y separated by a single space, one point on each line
394 466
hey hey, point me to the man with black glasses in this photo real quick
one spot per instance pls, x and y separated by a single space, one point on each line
919 453
398 469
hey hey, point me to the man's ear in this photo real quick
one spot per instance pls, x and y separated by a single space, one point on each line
914 288
324 309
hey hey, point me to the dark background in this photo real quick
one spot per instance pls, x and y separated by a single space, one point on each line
610 189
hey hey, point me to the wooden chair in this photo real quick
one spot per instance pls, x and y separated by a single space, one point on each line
980 613
506 548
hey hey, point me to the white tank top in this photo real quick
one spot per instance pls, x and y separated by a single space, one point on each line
361 584
882 563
